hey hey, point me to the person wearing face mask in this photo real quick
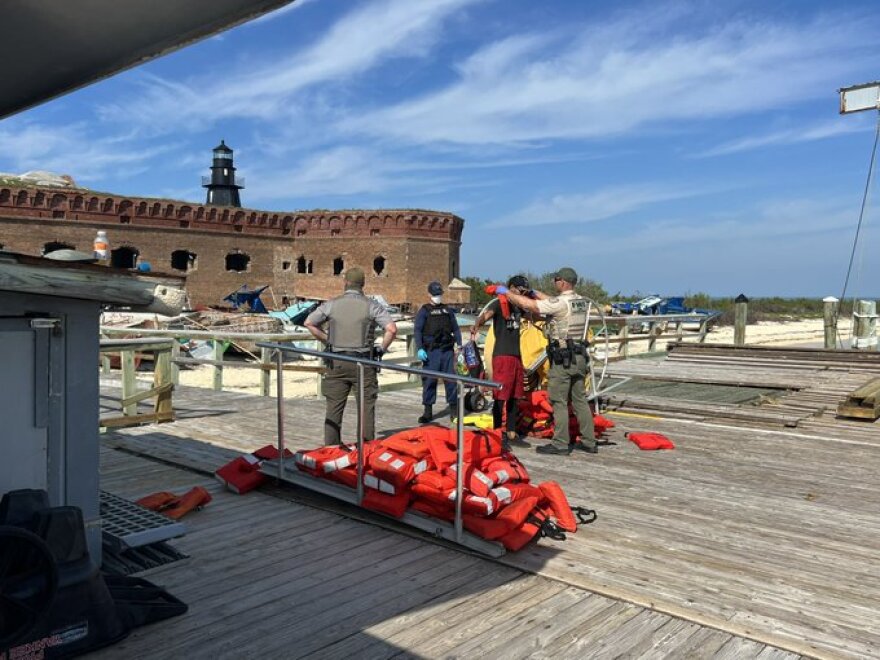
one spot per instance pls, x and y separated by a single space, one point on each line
436 335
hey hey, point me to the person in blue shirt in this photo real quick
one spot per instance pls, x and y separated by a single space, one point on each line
436 335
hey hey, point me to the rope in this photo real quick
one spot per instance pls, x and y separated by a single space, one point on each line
858 226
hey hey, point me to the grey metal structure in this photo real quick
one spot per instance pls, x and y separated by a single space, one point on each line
49 406
285 469
129 525
60 46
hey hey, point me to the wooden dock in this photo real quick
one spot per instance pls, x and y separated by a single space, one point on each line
754 538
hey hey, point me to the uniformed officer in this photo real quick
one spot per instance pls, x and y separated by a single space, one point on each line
566 316
436 333
350 321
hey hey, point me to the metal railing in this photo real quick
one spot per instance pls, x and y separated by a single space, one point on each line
362 364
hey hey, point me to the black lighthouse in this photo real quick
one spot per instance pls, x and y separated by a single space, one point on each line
222 186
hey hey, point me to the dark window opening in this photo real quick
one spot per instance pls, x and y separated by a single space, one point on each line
55 245
58 214
338 266
301 265
184 224
125 219
183 260
300 232
374 232
334 232
285 265
379 265
309 267
124 257
237 262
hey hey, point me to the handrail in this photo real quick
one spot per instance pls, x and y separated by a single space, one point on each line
362 363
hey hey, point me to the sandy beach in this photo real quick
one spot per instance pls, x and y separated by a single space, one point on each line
305 384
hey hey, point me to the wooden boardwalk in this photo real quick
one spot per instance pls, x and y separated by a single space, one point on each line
749 530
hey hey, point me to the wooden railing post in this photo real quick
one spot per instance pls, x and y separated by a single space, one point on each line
129 383
162 375
865 326
652 334
265 373
411 352
830 314
217 356
704 330
624 340
741 314
175 369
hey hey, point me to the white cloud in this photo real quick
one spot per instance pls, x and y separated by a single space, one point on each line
822 131
359 41
574 209
609 79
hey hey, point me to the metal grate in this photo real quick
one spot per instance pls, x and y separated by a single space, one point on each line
129 525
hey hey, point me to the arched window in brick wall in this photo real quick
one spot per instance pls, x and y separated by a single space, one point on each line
21 198
303 266
338 265
183 260
39 198
124 257
78 203
379 265
5 196
237 262
58 200
51 246
108 205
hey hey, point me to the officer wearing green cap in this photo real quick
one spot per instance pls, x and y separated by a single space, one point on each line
566 331
347 324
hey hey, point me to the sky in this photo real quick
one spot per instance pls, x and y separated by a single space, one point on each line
656 147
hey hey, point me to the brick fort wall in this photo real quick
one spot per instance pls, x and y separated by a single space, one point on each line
300 254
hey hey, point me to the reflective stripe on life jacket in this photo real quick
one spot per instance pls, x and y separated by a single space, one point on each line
476 481
509 518
374 482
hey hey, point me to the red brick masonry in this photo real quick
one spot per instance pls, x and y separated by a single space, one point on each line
401 251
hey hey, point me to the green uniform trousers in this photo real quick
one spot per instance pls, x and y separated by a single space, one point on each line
336 386
564 386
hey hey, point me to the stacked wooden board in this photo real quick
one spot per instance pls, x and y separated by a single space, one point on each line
863 403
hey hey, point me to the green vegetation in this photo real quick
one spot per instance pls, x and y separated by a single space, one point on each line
760 309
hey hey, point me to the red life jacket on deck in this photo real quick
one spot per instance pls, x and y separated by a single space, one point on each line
510 518
397 469
555 496
650 440
537 522
506 468
319 462
510 493
476 481
412 442
242 475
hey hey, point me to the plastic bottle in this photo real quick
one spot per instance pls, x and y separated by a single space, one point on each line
102 247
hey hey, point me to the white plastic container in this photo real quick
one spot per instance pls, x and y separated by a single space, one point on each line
102 247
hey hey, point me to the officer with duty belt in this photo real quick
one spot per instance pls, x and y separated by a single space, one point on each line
436 333
350 321
566 319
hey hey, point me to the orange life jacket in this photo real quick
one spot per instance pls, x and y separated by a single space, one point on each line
509 518
242 474
537 522
397 469
394 505
410 442
559 504
650 440
504 469
516 492
174 506
476 481
319 462
443 512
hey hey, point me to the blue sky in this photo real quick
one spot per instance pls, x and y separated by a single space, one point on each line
667 147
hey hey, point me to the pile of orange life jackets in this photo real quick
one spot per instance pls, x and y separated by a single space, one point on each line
536 418
416 469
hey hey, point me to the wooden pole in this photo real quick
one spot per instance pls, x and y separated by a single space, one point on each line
164 407
865 334
265 374
218 368
740 320
175 368
129 384
624 341
830 321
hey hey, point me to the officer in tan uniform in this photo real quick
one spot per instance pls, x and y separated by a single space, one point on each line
350 322
565 328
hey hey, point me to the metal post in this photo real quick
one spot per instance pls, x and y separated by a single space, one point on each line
279 389
830 313
741 315
459 464
360 432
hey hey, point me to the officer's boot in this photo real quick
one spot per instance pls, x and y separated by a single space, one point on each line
427 416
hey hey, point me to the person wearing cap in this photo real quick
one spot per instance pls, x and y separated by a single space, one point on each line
346 324
507 366
566 330
436 334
